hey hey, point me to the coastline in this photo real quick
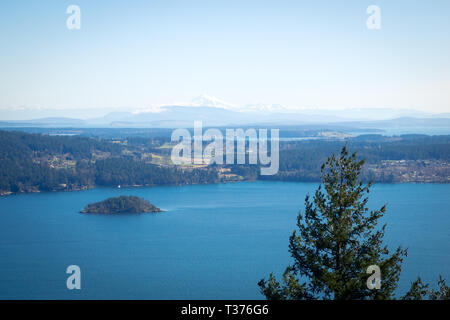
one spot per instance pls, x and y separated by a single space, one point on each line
4 194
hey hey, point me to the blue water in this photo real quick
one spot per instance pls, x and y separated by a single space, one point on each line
213 241
400 130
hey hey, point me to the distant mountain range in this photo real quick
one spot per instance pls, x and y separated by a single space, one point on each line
215 112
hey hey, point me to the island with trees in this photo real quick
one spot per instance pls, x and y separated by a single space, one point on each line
122 204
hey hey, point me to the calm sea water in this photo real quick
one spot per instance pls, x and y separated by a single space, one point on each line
213 241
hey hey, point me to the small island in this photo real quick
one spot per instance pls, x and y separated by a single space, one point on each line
122 204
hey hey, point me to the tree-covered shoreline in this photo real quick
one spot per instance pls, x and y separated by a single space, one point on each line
31 162
35 163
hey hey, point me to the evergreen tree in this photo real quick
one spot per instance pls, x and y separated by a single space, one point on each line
337 241
421 291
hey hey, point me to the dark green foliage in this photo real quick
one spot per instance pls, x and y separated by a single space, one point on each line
250 172
337 240
421 291
122 204
117 171
13 143
418 291
19 170
301 160
24 160
24 165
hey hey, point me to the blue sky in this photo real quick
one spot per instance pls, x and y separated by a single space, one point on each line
311 54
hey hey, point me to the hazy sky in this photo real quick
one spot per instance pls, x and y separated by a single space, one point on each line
297 53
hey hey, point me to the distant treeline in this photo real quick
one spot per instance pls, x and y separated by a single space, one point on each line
36 162
301 160
25 165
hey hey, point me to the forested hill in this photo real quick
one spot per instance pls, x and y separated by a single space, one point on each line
122 204
407 158
33 162
39 162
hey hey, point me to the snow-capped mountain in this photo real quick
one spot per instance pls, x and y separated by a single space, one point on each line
205 100
213 112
